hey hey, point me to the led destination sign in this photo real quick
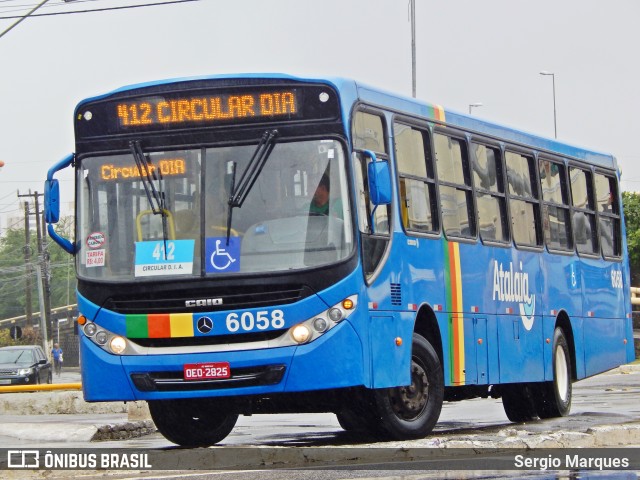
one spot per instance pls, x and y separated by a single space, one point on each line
158 111
154 109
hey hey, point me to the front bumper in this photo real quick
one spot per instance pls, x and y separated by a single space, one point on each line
334 360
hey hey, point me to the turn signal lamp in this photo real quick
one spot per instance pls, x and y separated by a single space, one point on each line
82 320
347 304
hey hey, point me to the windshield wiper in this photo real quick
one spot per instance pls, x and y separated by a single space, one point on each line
250 175
155 196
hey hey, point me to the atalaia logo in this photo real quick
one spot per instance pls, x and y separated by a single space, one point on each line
513 286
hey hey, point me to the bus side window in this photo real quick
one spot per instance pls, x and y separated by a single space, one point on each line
556 217
583 211
523 199
416 179
488 181
608 215
456 199
373 222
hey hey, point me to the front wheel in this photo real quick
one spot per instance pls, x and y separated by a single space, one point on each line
555 398
412 411
192 422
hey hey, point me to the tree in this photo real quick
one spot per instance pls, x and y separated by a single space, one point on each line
631 206
14 274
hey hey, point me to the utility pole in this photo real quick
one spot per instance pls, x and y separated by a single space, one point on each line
413 47
27 264
42 270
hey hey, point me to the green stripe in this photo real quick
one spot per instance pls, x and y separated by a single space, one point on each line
137 326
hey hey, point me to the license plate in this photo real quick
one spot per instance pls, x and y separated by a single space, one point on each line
207 371
5 382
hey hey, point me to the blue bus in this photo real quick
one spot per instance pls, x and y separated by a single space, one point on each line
268 243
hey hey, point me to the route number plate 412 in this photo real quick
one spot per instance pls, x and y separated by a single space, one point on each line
207 371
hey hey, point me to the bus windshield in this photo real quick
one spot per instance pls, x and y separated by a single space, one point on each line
295 215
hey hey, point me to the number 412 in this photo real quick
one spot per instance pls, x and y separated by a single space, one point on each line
159 253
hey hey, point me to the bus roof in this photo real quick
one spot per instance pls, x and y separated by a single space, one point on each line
353 91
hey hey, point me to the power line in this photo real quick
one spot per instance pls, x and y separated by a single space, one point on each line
106 9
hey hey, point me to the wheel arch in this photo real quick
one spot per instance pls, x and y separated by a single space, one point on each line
564 323
426 325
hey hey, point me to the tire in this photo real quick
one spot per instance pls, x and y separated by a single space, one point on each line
412 411
192 422
518 403
555 396
361 415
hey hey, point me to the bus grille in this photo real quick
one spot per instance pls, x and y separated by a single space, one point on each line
225 299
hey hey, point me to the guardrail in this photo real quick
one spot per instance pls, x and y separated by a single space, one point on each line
40 388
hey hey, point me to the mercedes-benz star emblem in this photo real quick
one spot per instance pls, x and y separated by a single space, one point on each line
205 325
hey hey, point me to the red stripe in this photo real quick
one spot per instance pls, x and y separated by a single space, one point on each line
159 326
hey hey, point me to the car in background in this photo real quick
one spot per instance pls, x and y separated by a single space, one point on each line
24 365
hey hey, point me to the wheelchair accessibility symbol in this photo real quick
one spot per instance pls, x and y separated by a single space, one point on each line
222 257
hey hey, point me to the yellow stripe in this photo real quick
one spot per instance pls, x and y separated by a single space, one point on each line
439 112
181 324
459 319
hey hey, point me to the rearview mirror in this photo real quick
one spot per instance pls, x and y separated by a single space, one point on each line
379 180
52 201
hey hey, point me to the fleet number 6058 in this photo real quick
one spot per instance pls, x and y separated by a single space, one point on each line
261 320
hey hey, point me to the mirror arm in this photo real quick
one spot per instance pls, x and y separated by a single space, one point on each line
66 245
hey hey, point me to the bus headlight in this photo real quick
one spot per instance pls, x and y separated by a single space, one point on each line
316 326
335 314
118 344
90 329
320 324
102 337
300 333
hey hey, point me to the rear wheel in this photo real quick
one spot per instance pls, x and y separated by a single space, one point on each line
555 398
192 422
518 403
412 411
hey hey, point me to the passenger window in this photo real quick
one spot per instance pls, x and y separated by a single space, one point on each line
417 185
523 199
583 212
368 132
608 215
556 217
490 196
456 201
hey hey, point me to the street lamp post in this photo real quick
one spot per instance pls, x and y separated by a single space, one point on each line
473 105
553 80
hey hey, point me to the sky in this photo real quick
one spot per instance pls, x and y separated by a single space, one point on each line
468 51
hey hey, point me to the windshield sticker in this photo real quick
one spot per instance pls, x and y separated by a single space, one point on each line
95 258
222 257
95 240
173 257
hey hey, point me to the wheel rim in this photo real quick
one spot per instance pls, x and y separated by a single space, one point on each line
562 375
409 402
